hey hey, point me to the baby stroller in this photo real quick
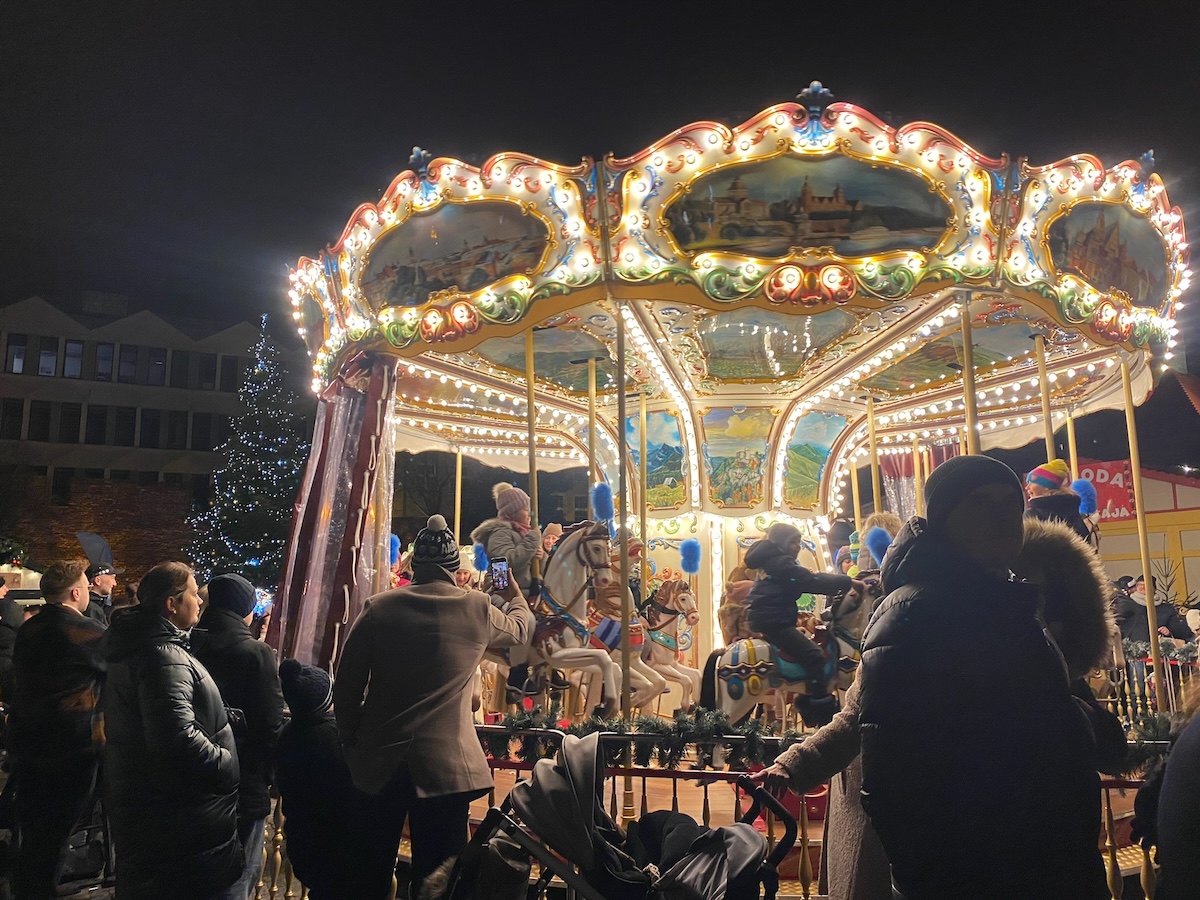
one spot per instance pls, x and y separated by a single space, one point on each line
664 856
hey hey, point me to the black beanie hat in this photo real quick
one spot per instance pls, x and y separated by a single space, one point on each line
954 479
307 689
232 592
435 545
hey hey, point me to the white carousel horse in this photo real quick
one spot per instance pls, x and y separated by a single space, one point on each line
562 639
742 676
661 613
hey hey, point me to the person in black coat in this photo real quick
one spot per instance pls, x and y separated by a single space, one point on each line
326 822
244 670
970 733
11 618
773 610
1131 615
170 764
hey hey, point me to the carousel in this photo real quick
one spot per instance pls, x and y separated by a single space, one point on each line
724 327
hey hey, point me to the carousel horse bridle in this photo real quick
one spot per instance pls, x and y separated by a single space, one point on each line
591 552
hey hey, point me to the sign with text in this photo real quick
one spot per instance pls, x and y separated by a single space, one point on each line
1114 488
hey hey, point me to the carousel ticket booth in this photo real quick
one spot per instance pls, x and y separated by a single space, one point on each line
724 327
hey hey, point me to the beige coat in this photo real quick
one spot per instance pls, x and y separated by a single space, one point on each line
418 647
854 865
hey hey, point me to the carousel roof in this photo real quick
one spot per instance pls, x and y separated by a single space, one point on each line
768 278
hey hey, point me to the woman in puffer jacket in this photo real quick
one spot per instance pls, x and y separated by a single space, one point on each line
170 765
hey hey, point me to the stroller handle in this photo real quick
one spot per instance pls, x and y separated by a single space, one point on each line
760 797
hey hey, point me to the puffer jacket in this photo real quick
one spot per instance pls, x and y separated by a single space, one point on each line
1062 506
244 670
500 538
970 734
170 765
773 598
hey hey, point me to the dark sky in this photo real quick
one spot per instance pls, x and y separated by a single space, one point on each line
186 153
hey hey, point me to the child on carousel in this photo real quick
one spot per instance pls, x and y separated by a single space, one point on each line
773 611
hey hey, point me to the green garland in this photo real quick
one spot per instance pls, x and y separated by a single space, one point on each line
1141 650
666 743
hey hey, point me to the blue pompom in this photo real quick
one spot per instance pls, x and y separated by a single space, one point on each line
689 556
1088 502
878 541
602 502
480 561
394 554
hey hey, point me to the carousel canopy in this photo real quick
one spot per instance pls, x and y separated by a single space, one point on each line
771 283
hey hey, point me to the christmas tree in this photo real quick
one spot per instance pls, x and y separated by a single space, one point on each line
246 528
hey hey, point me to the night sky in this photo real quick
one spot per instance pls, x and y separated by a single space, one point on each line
187 153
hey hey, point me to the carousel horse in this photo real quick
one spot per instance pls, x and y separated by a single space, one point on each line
661 614
742 676
578 566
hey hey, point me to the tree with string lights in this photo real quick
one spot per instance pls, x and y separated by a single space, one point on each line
245 530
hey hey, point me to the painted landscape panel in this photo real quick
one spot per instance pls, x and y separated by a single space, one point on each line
1112 248
664 454
735 449
767 208
808 451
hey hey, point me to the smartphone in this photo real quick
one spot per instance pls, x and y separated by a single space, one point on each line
498 569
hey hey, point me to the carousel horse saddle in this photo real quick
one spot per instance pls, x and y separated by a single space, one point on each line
548 628
791 670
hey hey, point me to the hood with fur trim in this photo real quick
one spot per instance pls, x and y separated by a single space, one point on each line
1075 592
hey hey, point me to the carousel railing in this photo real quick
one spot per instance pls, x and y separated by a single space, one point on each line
1128 690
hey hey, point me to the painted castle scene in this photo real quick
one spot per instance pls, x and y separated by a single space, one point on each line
1112 248
462 247
766 209
735 448
807 454
664 458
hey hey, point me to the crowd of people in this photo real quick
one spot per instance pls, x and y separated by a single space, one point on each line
970 724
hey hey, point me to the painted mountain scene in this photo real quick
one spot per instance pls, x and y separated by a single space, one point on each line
807 454
664 455
735 448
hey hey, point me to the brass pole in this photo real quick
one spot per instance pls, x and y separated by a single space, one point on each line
458 494
593 466
1072 446
857 499
531 424
918 482
1039 342
876 490
644 574
1135 463
968 370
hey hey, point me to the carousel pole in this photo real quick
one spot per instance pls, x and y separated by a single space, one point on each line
458 494
876 490
644 489
1135 463
968 370
917 479
628 812
593 468
1039 343
854 492
1072 445
531 425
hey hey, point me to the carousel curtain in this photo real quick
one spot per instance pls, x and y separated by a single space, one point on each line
899 485
328 575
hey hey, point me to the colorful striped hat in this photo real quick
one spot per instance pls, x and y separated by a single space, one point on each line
1052 475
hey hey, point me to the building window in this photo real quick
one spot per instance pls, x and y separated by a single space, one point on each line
179 368
156 374
15 359
151 424
223 429
11 412
39 420
118 475
229 374
48 357
174 479
145 478
208 371
124 422
60 487
73 360
104 362
177 430
93 473
97 425
201 431
127 368
69 416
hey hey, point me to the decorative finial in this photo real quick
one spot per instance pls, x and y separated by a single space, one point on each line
816 97
419 161
1146 161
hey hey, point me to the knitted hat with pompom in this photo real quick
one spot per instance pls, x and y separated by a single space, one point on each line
435 545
